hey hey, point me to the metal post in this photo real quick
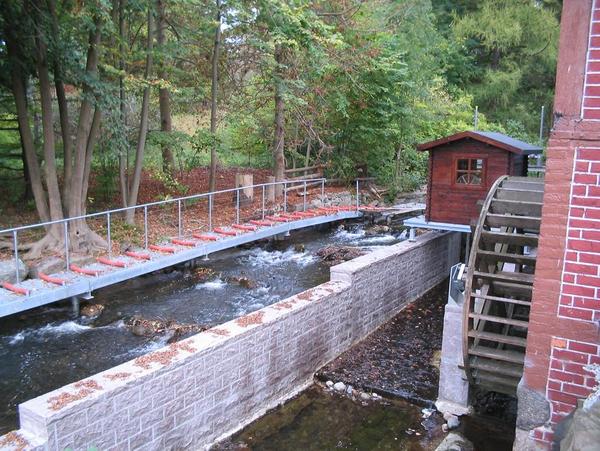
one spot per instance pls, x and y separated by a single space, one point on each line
322 190
263 201
145 227
75 305
237 206
542 125
476 118
67 256
108 234
210 212
357 195
411 234
15 244
285 197
304 201
179 218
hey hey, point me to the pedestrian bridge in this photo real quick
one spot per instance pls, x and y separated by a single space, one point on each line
77 282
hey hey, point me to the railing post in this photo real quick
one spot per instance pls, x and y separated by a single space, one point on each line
108 234
210 202
304 200
357 195
67 256
237 206
322 190
179 218
285 197
263 201
146 227
16 244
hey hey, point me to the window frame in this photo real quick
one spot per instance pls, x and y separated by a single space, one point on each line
455 171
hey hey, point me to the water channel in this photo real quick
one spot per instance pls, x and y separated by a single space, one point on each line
45 348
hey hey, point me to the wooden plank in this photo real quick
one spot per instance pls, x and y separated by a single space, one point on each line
498 367
307 176
499 338
497 384
301 186
516 207
501 299
515 239
498 354
493 257
520 194
520 222
306 168
500 320
505 289
512 277
529 185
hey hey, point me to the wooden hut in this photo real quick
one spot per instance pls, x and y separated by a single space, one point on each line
462 168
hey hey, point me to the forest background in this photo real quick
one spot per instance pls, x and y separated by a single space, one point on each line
97 97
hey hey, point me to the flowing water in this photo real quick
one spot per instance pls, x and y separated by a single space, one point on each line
44 349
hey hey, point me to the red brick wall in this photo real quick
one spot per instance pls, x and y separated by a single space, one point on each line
565 315
591 100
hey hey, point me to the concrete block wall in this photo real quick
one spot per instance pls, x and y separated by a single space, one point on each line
191 393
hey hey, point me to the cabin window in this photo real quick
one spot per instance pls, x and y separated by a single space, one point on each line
469 171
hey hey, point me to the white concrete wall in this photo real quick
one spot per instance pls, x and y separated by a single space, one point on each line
189 394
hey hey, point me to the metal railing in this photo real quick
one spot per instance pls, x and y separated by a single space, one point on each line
109 214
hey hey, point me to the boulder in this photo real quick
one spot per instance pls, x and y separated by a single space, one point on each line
455 442
92 311
50 265
333 255
242 281
8 271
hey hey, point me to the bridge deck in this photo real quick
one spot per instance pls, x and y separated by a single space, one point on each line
41 292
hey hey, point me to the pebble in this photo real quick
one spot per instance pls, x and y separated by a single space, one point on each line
339 386
349 390
444 427
453 422
427 413
329 384
364 396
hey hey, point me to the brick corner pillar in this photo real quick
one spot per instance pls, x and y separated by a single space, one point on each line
564 334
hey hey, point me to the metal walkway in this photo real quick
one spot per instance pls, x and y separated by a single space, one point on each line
76 282
67 284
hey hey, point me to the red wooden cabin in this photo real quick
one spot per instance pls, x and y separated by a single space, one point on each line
462 168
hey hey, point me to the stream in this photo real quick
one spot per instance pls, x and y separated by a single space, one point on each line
45 348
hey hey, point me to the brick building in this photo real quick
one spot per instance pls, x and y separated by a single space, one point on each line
565 315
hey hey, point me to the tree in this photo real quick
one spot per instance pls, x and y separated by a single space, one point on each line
214 98
17 21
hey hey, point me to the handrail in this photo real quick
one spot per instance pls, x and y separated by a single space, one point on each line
153 204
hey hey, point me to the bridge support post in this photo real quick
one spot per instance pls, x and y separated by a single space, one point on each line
75 306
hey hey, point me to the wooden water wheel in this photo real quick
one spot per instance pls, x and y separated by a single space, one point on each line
499 283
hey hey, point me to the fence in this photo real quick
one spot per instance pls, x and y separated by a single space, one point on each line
108 215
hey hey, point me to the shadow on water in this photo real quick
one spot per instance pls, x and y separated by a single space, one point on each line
321 420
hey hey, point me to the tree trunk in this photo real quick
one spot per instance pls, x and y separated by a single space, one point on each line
212 181
143 131
279 136
54 197
19 91
124 154
63 108
163 93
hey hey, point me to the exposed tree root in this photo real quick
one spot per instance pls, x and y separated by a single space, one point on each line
81 240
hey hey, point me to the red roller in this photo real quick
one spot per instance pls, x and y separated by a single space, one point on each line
14 288
165 249
244 227
85 272
50 279
109 262
293 216
306 214
204 237
278 218
221 231
187 243
138 255
261 222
